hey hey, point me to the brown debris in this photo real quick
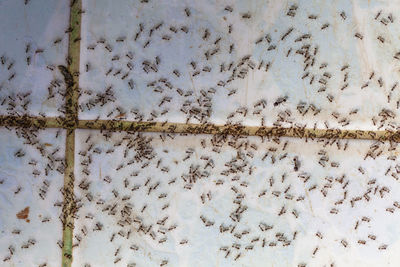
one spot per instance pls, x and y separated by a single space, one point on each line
24 214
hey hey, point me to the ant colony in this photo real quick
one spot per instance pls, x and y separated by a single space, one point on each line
167 198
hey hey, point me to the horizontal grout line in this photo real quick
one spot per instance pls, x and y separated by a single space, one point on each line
169 127
32 122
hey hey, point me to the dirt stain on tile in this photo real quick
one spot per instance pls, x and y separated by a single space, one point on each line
24 214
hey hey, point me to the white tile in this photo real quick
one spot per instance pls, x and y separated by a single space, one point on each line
103 176
31 241
118 22
37 25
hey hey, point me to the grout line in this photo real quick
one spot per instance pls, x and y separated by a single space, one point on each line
69 203
168 127
31 122
71 78
270 132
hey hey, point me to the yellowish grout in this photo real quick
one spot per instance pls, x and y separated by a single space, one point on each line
169 127
69 203
31 122
71 78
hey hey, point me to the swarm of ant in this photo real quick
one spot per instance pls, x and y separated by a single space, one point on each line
240 200
298 68
31 189
164 199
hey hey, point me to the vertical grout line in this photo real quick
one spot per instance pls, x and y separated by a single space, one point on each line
71 77
69 203
72 93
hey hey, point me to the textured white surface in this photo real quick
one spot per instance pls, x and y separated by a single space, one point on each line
107 177
108 41
37 25
27 185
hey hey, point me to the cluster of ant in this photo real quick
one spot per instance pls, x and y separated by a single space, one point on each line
30 82
131 187
253 196
39 157
187 71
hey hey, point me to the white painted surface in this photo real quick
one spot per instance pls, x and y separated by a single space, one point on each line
27 185
337 47
38 24
186 207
